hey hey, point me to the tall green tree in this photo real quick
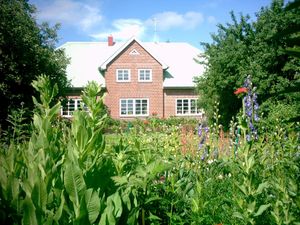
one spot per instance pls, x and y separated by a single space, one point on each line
246 47
27 50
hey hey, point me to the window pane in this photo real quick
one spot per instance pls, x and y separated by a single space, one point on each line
142 75
123 107
147 77
179 106
138 107
185 106
125 75
193 106
144 107
71 105
120 77
130 107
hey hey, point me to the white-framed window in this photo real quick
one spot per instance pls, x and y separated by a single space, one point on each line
123 75
134 107
145 75
72 105
187 106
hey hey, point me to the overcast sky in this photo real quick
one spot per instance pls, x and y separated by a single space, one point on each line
189 21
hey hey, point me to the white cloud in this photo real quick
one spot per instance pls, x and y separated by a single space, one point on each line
211 20
169 20
70 12
123 29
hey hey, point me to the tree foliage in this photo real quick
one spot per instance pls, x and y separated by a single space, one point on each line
246 47
27 50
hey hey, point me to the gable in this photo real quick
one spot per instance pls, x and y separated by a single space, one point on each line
126 57
125 47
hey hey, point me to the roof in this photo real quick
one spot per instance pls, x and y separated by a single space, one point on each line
116 53
176 58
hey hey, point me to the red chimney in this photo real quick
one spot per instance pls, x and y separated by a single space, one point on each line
110 40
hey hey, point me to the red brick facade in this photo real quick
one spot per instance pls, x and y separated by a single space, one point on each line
134 89
170 97
161 101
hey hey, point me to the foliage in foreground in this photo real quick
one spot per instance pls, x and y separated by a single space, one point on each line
68 175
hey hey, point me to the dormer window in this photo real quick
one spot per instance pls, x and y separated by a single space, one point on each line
145 75
123 75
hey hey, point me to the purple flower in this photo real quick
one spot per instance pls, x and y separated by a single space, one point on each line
251 108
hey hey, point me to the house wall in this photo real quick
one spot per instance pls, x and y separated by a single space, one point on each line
134 89
170 96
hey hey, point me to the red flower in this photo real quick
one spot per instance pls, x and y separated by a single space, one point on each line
146 122
241 90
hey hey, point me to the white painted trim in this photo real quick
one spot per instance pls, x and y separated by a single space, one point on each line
123 81
134 115
134 52
142 81
189 109
70 113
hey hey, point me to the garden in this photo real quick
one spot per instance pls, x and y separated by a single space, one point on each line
153 172
238 165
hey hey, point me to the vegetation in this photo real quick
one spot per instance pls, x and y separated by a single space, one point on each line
26 51
69 175
94 170
251 48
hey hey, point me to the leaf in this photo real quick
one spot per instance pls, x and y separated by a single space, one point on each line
261 187
261 209
118 205
92 202
54 111
60 208
238 215
29 216
153 217
151 199
3 178
39 194
74 183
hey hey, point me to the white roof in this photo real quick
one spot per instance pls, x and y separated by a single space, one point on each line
176 58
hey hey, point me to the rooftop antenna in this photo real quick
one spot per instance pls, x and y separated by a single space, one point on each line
155 30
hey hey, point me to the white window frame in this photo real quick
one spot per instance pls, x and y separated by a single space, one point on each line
122 80
139 75
198 112
77 106
134 104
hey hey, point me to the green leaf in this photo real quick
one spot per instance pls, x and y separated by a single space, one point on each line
238 215
151 199
118 205
92 201
29 216
39 194
60 208
54 111
261 187
153 217
74 183
261 209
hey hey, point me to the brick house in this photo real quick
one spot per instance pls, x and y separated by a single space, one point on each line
140 79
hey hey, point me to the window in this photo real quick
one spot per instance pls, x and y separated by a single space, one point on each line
187 106
123 75
145 75
72 105
134 107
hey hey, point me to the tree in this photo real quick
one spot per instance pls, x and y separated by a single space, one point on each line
249 48
27 50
